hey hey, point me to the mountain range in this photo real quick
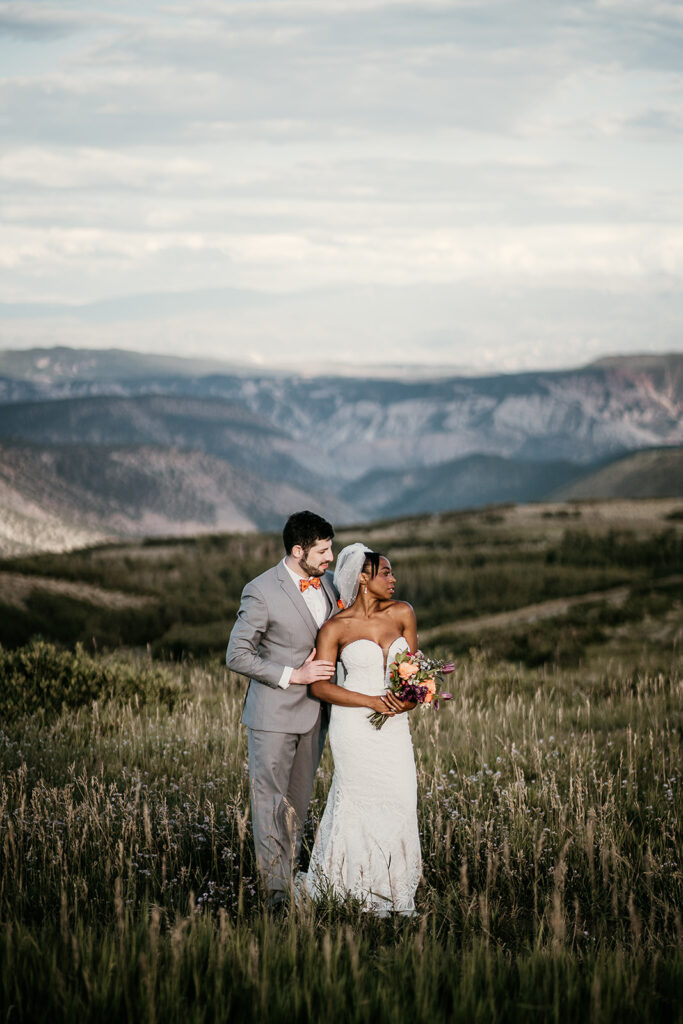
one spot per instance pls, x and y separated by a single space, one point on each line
112 443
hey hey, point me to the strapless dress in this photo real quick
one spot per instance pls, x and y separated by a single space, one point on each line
367 844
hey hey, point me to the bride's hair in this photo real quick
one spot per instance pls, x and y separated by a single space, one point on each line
351 562
371 563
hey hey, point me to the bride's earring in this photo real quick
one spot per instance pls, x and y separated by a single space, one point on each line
365 590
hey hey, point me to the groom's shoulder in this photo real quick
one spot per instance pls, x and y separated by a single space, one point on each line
264 580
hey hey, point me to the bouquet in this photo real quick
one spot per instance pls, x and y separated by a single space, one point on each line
413 677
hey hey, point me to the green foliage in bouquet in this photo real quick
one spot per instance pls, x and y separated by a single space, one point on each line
41 677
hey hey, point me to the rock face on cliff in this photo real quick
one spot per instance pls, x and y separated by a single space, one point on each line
172 449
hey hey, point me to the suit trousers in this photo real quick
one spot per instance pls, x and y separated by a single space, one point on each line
282 766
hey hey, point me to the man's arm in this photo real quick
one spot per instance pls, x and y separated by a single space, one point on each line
242 653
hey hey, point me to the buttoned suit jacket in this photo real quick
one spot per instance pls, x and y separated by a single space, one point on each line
275 628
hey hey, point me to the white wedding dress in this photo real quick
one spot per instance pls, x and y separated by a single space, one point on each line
367 843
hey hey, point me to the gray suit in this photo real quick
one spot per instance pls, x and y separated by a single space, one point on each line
275 628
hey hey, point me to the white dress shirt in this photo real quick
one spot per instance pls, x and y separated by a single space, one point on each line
317 605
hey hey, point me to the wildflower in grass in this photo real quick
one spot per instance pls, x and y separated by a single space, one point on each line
413 677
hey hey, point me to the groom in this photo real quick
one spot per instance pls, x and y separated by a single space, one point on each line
273 642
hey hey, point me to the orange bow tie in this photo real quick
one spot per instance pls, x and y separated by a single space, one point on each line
305 584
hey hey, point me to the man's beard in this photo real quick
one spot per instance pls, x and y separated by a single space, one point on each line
311 570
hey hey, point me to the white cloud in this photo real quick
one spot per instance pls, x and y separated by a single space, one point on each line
83 168
598 255
335 148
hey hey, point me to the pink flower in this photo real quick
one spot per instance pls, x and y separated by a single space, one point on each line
406 670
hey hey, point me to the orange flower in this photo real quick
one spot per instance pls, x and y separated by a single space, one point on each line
406 670
430 684
428 698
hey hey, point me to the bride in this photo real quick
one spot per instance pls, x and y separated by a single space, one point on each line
367 843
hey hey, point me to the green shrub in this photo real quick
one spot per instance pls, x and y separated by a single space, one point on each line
43 677
67 620
191 640
658 553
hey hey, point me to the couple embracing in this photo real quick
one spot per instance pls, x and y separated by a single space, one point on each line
293 641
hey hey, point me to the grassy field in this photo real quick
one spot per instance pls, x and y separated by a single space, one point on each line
549 801
178 597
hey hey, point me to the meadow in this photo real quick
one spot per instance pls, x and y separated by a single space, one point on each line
549 795
179 596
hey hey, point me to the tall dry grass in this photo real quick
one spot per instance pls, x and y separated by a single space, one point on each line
549 807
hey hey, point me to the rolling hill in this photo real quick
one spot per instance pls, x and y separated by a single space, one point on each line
65 496
649 474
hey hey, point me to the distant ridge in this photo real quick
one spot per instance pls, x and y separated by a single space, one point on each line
61 363
343 427
169 451
640 361
55 365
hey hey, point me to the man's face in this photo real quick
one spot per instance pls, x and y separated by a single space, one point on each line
315 561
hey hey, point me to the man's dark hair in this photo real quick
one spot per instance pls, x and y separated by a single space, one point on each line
305 528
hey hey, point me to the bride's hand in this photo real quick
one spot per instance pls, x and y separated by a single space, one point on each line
380 704
398 706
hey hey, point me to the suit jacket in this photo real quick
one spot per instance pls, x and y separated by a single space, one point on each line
274 628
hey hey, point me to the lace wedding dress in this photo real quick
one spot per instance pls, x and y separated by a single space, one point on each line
367 843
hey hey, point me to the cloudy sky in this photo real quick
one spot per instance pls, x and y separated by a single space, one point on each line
482 185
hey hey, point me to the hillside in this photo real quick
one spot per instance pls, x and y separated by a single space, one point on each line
59 497
64 496
650 474
538 581
488 479
214 427
462 483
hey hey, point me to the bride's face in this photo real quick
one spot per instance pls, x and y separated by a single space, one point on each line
383 584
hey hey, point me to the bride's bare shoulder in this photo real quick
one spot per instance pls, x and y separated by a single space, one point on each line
402 607
338 624
330 628
402 611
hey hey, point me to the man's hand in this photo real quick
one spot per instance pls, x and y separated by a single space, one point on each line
312 671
